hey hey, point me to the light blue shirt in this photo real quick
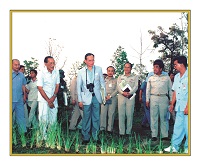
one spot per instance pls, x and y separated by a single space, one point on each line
143 88
91 74
180 86
84 95
18 80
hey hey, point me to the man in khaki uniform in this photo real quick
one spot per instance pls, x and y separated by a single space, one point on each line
126 103
108 109
158 88
77 112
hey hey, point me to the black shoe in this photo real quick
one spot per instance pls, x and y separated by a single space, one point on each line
165 139
102 132
121 136
28 131
98 142
143 126
85 142
110 132
154 139
127 135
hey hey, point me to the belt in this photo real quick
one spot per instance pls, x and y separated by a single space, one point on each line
159 94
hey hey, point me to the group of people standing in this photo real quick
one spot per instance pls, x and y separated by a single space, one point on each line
96 99
24 97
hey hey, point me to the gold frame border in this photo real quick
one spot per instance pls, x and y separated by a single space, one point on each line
11 12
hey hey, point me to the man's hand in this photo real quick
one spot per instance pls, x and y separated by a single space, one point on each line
73 102
108 97
24 98
51 105
186 111
171 108
140 100
126 94
147 104
80 104
52 98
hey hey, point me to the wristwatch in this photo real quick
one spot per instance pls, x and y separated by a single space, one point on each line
54 95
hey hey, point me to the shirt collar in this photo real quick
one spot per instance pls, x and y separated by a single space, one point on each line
46 71
15 72
185 74
107 78
33 81
88 69
129 75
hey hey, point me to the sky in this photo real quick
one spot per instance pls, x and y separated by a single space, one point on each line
27 48
81 32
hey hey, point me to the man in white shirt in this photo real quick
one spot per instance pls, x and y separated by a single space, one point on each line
32 91
48 86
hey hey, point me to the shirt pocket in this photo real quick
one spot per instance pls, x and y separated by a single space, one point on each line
184 87
163 82
97 76
114 85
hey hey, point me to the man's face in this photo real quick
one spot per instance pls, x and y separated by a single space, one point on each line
22 70
127 68
177 66
110 72
15 65
89 61
157 70
50 64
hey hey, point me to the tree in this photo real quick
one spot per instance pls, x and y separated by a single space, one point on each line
55 50
74 69
32 64
118 61
171 44
140 68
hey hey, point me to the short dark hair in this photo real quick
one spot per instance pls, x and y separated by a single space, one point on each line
181 60
33 70
21 66
46 59
111 67
129 64
88 54
159 62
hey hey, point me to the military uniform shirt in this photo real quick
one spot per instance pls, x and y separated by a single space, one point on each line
158 85
132 80
111 86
